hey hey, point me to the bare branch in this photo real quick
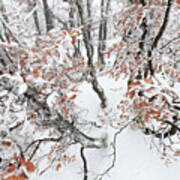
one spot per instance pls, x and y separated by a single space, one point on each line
169 42
42 140
35 15
100 176
10 31
84 163
48 16
163 27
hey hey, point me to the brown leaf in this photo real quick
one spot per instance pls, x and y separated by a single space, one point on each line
6 143
11 168
30 166
22 161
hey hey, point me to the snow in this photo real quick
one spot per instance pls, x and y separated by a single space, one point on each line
136 160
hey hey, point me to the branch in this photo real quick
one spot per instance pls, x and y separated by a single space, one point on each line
84 163
164 25
42 140
90 52
62 125
114 151
35 15
98 89
10 31
65 25
103 30
169 42
173 130
48 17
145 31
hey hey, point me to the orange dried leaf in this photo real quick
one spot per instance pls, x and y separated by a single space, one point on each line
36 73
150 89
44 87
177 153
11 168
139 16
73 90
30 166
135 83
15 178
131 94
15 156
6 143
48 52
26 57
53 85
164 154
22 161
58 167
62 100
73 97
154 112
109 54
73 40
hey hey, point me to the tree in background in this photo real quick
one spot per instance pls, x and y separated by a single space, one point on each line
48 49
148 56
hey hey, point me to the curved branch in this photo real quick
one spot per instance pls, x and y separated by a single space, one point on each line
84 163
164 25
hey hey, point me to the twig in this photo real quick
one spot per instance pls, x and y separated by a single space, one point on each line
84 163
12 34
114 151
170 41
42 140
35 150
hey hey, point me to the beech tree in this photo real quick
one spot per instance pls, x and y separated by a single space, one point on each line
49 48
148 57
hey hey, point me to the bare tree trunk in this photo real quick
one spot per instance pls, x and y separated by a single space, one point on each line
90 52
77 51
35 16
5 35
48 16
100 56
103 30
86 36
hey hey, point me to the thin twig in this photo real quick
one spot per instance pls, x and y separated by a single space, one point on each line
84 163
35 150
10 31
114 151
169 42
42 140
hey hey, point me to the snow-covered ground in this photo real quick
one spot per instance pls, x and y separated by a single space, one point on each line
135 159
